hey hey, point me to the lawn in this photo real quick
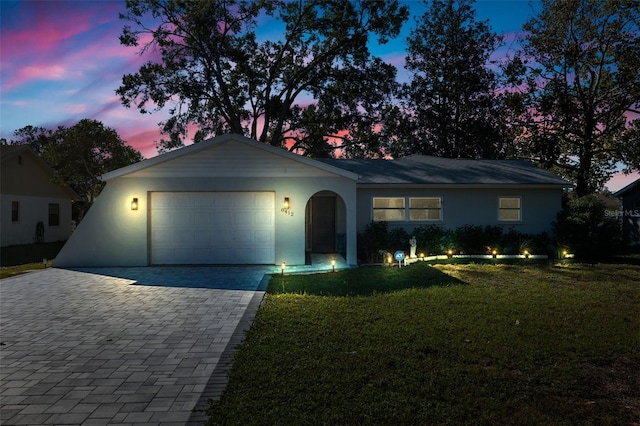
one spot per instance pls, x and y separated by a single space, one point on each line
443 344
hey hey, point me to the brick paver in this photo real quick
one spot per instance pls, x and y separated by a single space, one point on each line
120 345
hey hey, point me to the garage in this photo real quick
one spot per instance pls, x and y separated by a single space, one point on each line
212 228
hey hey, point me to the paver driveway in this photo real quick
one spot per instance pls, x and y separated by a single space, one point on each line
119 345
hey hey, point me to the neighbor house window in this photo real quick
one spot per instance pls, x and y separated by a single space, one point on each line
509 209
388 209
15 211
54 214
425 208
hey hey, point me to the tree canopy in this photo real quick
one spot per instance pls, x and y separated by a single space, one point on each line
581 62
79 154
453 106
317 81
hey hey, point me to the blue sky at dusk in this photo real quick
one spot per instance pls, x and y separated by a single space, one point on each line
61 61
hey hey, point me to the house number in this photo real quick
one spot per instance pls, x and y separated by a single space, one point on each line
287 212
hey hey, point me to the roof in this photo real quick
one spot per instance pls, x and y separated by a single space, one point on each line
428 170
633 185
10 151
219 140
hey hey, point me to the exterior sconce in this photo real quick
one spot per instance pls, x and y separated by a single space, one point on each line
333 265
286 205
134 204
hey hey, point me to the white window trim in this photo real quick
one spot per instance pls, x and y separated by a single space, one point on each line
519 209
440 209
404 208
407 209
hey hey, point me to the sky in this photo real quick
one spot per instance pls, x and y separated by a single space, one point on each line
61 61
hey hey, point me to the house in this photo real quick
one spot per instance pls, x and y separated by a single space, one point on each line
630 213
232 200
34 209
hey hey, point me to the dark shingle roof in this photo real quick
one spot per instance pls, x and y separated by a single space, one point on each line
426 170
632 186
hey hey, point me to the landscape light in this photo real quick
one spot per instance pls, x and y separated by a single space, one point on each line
526 254
283 266
494 253
450 253
333 265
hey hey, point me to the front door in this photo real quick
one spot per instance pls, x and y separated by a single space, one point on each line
323 229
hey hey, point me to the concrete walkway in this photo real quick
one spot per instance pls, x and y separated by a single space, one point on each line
138 346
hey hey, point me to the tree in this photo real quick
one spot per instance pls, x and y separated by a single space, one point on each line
80 154
582 62
215 72
453 108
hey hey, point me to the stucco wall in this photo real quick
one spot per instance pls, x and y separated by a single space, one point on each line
471 206
111 234
33 210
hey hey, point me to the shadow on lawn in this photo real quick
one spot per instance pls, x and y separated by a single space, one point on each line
362 281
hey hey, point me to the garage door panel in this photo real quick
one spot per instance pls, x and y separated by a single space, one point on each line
212 228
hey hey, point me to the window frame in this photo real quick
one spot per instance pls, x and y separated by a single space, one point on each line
428 209
15 211
374 209
501 209
54 214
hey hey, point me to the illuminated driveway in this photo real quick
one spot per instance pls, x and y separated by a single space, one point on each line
120 345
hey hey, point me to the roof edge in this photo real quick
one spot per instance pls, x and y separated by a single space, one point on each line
630 186
219 140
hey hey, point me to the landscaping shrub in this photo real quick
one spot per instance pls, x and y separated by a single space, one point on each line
373 239
433 239
583 229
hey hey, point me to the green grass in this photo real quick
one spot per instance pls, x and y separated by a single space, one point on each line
448 344
12 271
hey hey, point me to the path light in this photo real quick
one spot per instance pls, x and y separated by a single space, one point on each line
390 260
526 254
494 253
449 253
134 204
333 265
422 256
564 253
283 266
44 262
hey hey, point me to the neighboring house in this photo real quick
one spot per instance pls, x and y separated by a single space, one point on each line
630 213
232 200
33 207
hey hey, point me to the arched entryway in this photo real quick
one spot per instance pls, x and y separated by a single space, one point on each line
325 224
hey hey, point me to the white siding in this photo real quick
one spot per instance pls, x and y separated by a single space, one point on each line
232 159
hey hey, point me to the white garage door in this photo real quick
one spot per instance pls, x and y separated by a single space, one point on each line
212 228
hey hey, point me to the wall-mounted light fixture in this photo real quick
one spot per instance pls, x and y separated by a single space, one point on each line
286 205
134 204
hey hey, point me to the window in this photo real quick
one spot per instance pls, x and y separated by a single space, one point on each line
15 211
509 209
54 214
425 208
388 209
